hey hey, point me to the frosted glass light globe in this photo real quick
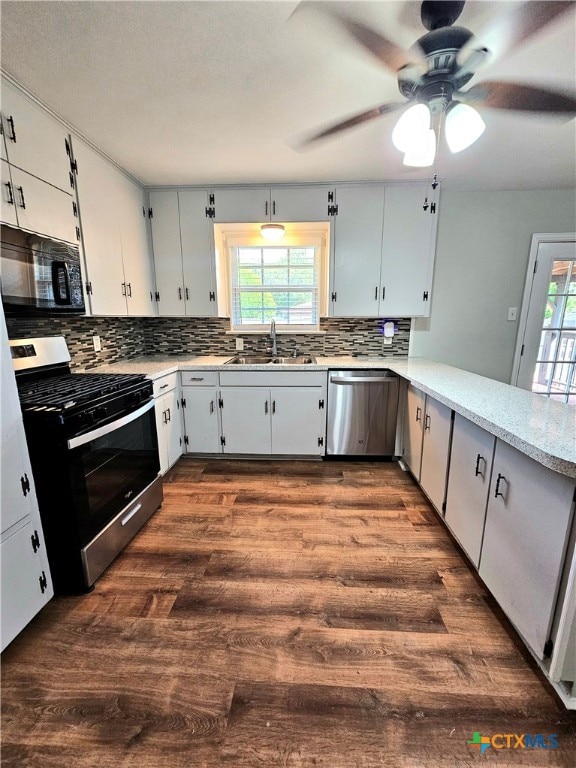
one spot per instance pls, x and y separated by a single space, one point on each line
464 126
411 127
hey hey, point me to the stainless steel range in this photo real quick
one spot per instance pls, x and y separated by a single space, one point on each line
94 452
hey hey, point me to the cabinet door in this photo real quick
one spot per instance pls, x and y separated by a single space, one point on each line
165 225
8 201
357 251
198 257
527 524
35 141
408 245
161 415
297 421
242 205
468 483
246 423
435 451
413 424
136 257
25 581
42 208
174 426
97 197
301 203
201 420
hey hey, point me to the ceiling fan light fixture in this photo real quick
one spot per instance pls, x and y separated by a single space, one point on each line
422 153
464 126
411 128
272 232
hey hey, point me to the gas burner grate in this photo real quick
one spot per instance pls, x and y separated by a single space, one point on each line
73 389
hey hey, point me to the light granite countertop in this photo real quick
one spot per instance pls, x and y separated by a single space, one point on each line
541 428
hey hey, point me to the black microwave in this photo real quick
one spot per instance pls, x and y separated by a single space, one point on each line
39 275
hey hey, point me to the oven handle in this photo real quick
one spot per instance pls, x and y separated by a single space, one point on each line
76 442
362 379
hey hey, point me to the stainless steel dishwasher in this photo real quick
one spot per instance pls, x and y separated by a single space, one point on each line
362 411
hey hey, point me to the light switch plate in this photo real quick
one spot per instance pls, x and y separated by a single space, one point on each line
512 313
97 344
239 345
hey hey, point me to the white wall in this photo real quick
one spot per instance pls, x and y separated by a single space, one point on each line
481 259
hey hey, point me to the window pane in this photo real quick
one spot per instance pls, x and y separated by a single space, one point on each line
274 256
570 313
276 276
302 256
548 344
248 276
301 276
249 256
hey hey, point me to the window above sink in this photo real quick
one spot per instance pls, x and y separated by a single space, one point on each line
260 282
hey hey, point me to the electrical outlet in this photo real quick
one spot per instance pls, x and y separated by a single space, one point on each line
239 345
97 344
512 313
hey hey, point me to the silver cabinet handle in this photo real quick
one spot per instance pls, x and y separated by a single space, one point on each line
164 418
164 386
169 417
12 134
179 293
22 200
273 406
211 407
196 378
10 200
376 293
123 289
266 208
427 421
266 406
418 413
364 380
129 289
383 292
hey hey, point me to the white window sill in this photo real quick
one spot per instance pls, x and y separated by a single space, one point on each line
278 333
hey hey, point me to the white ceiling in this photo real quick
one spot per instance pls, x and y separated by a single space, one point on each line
212 92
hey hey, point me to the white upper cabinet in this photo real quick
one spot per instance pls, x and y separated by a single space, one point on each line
384 243
183 243
35 141
8 205
408 245
167 247
357 251
114 236
302 202
42 208
198 260
36 171
248 204
305 202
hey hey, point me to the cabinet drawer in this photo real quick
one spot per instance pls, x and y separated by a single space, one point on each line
273 378
165 384
199 378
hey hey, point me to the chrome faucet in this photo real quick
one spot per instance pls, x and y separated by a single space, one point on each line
274 349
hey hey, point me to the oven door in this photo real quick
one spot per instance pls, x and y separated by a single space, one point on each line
111 465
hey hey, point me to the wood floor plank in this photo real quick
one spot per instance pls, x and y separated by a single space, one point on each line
279 614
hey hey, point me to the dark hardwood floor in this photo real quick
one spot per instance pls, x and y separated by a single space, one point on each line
279 614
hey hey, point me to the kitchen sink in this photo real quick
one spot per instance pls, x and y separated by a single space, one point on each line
265 360
300 360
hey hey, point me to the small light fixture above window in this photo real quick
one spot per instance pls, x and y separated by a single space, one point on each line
272 231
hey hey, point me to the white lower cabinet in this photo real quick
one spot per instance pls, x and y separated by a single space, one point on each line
468 483
280 421
168 420
427 434
201 428
435 451
26 585
413 429
527 525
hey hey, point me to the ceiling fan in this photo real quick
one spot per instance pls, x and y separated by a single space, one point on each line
433 72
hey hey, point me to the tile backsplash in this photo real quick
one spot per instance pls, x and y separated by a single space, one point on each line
120 337
123 337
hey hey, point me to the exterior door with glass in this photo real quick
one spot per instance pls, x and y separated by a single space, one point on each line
546 355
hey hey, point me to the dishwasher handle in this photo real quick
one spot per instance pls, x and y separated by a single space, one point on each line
362 379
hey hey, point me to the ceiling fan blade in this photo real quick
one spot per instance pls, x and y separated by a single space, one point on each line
385 50
512 27
351 122
522 98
